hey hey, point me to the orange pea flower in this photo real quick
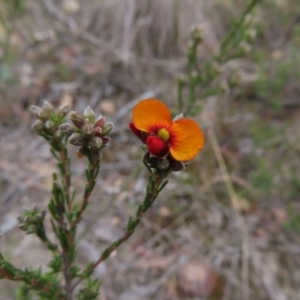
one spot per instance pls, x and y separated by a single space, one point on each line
152 123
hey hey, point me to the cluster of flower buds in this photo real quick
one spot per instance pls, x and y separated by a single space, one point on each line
31 220
196 34
87 132
48 119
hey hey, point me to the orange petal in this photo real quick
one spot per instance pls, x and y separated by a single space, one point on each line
150 115
186 140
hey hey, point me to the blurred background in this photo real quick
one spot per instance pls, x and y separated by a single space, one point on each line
226 228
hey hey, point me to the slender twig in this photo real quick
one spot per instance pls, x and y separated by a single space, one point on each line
67 275
229 37
92 172
48 288
204 85
66 256
64 167
229 43
155 185
65 172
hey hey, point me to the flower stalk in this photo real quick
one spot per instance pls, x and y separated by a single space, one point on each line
91 175
157 181
202 81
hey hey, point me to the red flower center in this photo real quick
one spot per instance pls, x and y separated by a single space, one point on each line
157 146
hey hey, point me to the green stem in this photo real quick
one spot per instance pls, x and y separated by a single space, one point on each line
65 173
91 172
204 84
67 241
34 282
232 33
41 233
222 57
155 185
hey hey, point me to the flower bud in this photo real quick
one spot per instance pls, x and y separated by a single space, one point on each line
98 130
251 34
105 139
63 110
67 128
39 216
182 79
77 139
89 114
224 87
77 119
96 143
87 130
100 122
215 69
197 34
108 127
20 219
35 109
48 106
249 19
50 125
47 111
38 125
195 77
244 48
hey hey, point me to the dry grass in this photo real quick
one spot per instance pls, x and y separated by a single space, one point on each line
234 213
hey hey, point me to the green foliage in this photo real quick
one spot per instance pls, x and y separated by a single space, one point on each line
56 263
62 72
262 132
277 63
262 177
15 5
90 291
204 80
272 80
294 186
293 223
65 214
24 293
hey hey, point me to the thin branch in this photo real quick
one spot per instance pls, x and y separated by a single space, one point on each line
64 167
65 172
93 171
155 185
48 288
